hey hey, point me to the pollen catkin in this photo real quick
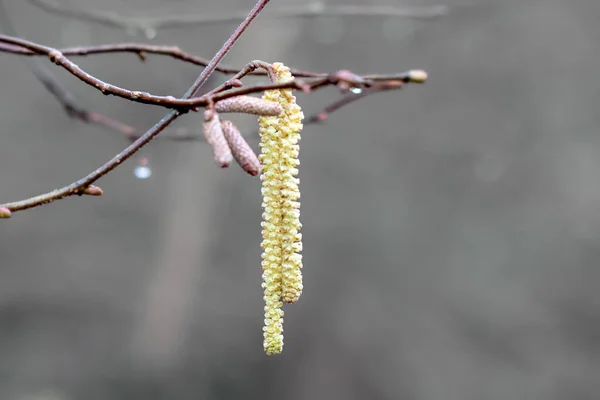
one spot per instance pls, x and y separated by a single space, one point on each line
282 263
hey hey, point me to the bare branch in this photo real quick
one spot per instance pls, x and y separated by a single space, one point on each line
80 185
212 65
343 77
70 103
230 96
142 50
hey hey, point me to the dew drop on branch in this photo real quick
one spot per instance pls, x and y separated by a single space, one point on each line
142 170
150 33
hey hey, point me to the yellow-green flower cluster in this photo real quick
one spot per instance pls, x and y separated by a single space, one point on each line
282 240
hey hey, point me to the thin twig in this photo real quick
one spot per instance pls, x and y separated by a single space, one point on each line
191 103
212 65
180 104
351 97
142 50
78 187
73 106
253 68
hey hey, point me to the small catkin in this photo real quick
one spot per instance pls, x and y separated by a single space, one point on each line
241 150
248 105
282 262
213 133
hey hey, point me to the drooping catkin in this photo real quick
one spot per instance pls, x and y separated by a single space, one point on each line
282 262
241 150
213 133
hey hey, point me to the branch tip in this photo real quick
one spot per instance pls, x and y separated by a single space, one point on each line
5 212
417 76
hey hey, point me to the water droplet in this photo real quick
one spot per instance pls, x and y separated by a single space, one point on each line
142 172
356 90
150 33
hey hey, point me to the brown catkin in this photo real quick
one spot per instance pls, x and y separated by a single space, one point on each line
248 105
241 150
213 133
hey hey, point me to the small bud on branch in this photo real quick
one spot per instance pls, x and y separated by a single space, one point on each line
92 191
417 76
5 212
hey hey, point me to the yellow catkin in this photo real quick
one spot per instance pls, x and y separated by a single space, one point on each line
282 262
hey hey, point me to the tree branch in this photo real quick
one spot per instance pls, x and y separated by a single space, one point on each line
80 186
70 103
313 82
142 50
355 86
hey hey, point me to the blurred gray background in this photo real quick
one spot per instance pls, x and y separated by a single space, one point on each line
451 230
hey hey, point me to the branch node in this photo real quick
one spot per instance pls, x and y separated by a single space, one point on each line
233 83
104 87
54 55
346 79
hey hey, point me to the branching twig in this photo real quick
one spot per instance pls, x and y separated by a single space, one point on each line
75 110
355 87
187 103
142 50
70 103
80 186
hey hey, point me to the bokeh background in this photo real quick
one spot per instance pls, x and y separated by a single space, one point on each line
451 230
